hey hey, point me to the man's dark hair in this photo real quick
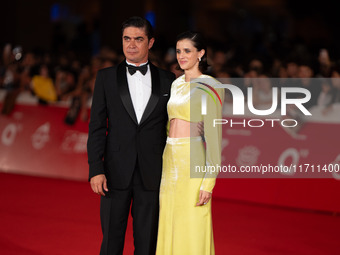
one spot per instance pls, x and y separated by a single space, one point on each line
140 23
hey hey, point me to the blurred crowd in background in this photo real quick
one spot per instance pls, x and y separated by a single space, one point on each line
64 77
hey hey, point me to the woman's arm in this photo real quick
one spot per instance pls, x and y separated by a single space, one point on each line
213 139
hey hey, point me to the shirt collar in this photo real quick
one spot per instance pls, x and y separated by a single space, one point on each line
136 65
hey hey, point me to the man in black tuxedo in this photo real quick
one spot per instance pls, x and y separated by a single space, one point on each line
127 135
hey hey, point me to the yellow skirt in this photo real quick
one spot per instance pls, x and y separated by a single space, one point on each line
184 228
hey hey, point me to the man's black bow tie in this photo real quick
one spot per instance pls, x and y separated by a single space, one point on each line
132 69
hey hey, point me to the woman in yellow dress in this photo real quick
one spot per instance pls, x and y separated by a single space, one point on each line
185 223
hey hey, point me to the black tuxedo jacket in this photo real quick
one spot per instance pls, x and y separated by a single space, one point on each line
116 141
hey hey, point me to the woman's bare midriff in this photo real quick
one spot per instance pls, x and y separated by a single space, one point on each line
181 128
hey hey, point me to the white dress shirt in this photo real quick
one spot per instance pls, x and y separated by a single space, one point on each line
140 89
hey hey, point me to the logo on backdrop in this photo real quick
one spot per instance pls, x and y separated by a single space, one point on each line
41 136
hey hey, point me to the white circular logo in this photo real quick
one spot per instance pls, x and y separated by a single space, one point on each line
289 153
9 134
41 136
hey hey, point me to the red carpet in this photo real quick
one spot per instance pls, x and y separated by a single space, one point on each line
41 216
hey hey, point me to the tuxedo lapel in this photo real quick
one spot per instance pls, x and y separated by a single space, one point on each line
124 91
155 80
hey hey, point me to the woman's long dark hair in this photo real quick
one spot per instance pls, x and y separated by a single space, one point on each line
199 43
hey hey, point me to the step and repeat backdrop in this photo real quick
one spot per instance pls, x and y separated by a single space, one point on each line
262 160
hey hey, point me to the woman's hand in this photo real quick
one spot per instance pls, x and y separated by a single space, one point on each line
204 198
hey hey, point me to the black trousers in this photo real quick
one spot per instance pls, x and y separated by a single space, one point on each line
114 212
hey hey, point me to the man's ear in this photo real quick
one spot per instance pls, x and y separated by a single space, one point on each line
151 41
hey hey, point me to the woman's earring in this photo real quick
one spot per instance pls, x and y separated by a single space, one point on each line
199 59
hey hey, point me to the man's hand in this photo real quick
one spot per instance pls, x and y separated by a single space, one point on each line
200 126
99 182
204 198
